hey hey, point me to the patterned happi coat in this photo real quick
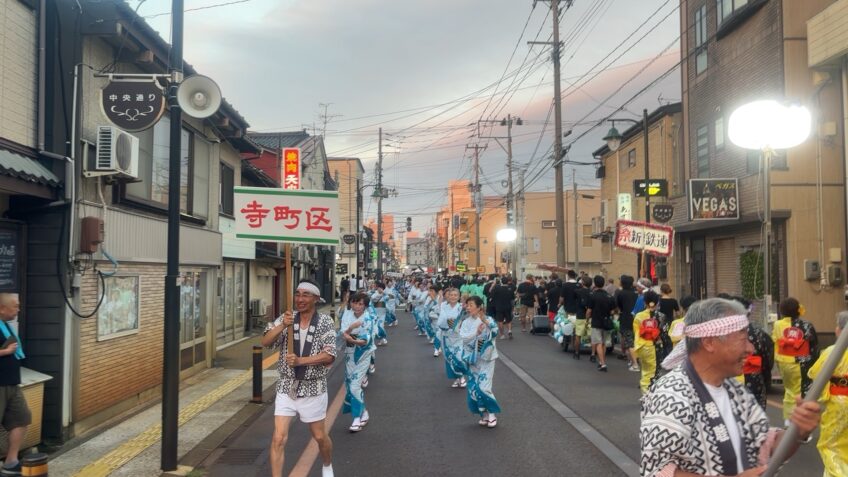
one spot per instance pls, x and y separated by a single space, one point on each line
675 432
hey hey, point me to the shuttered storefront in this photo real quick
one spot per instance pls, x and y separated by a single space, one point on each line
725 267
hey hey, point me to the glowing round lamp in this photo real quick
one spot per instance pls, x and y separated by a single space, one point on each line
506 235
769 124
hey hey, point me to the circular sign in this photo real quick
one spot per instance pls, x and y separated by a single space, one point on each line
349 239
132 105
663 212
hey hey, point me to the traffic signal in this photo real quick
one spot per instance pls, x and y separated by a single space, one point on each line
409 224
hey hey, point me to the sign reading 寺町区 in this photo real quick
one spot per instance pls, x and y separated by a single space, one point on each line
713 199
644 237
292 216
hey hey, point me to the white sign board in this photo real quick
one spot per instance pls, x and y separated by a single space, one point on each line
292 216
644 237
625 207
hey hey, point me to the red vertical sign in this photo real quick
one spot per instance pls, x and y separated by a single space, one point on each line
291 168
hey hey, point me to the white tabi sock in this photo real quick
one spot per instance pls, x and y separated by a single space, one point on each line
327 471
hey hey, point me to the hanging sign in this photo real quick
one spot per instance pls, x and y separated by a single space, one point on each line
290 216
625 207
132 105
644 237
341 269
291 168
662 213
713 199
349 239
655 187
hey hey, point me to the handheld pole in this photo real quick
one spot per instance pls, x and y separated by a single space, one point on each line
790 437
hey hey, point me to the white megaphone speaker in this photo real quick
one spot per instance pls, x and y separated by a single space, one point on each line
199 96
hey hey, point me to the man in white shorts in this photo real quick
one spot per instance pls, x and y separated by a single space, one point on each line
302 389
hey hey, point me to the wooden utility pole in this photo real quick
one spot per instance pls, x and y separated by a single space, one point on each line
478 201
379 271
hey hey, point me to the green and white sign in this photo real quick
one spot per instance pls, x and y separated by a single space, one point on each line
287 215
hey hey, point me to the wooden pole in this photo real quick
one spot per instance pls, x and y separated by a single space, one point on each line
289 294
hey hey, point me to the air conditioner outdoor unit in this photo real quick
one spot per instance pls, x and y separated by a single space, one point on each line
117 154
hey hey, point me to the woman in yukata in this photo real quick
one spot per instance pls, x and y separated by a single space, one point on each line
358 330
450 315
478 332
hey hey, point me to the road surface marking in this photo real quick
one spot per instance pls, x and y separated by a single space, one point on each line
124 453
307 459
613 453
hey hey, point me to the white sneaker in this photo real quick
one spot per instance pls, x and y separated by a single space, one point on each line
635 369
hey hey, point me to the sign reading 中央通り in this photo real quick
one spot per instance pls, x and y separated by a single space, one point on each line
293 216
713 199
642 236
132 105
291 168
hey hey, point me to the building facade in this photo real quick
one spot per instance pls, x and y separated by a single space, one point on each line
737 52
618 172
348 173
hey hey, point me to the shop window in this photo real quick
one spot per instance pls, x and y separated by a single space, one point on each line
225 195
700 26
230 322
718 132
587 236
192 319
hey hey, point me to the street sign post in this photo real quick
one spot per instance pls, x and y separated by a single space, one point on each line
655 187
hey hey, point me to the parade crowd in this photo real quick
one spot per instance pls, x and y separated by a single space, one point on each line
704 365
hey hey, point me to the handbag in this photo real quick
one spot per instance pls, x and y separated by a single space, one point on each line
608 323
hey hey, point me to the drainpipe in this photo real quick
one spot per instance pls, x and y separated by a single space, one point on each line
42 66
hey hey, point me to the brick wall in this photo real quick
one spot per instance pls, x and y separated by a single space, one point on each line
120 368
18 72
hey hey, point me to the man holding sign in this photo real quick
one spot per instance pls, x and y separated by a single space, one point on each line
307 343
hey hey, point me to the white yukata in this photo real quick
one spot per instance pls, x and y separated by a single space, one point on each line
448 324
480 353
357 359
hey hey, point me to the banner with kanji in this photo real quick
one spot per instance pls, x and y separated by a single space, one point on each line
291 168
642 236
292 216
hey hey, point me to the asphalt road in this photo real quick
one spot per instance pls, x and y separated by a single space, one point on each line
420 426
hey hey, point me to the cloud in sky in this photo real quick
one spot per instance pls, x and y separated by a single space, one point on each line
276 60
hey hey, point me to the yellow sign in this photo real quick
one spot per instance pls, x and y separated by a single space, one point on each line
481 269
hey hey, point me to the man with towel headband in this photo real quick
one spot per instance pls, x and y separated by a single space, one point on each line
302 389
698 420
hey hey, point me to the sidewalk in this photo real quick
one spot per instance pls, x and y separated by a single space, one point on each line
130 445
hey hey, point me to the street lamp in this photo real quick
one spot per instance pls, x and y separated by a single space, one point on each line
613 139
508 235
766 126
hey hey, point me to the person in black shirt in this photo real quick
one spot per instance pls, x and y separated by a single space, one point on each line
625 300
554 295
502 296
569 293
14 412
668 306
527 301
599 312
581 300
541 298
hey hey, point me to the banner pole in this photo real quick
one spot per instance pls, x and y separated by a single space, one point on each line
289 294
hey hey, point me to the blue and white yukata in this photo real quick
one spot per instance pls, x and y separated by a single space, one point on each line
448 324
418 298
391 306
357 359
430 315
378 303
480 353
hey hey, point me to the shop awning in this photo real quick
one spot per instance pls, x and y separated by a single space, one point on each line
20 174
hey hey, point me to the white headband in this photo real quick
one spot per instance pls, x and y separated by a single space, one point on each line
718 327
308 287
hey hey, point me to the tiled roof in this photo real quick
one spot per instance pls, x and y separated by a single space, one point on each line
278 139
25 168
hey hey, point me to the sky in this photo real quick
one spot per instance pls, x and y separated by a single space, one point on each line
436 75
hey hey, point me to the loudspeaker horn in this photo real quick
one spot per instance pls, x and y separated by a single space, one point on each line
199 96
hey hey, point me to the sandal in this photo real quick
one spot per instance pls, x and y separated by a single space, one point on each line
355 427
483 422
455 384
363 421
463 383
492 423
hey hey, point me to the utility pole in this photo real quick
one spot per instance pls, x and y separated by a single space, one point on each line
510 198
646 269
576 224
478 201
379 191
522 242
